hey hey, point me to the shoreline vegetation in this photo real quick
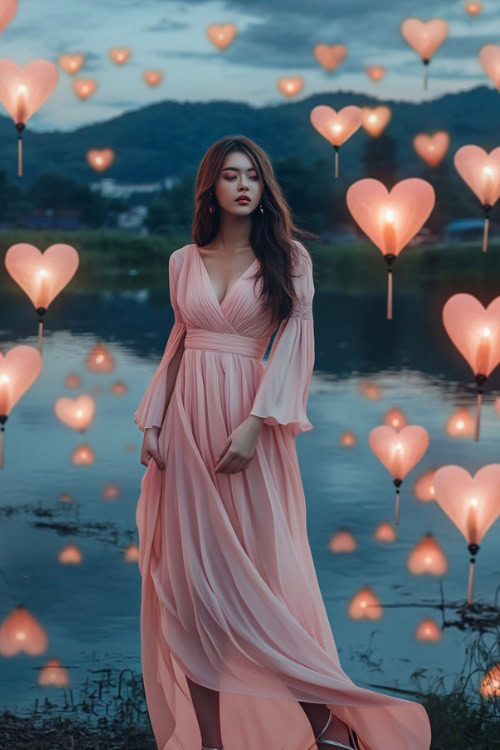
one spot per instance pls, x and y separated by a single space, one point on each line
112 712
120 261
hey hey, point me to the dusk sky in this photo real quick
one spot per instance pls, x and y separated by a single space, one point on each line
275 38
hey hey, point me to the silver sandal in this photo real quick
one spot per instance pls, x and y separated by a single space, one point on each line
352 738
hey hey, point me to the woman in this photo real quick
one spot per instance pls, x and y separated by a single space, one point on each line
236 642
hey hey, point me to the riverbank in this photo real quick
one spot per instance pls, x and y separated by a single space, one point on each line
458 723
118 261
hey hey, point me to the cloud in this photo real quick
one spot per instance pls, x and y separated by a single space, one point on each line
167 25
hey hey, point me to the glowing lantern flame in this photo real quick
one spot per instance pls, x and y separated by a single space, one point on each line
365 605
375 119
23 91
342 541
53 674
475 331
71 63
385 532
84 87
70 555
222 35
330 56
100 159
472 503
390 219
336 127
290 85
20 631
428 630
399 451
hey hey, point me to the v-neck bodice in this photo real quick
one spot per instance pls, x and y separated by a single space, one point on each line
209 282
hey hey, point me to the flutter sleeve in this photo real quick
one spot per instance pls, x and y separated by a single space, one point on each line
150 411
281 397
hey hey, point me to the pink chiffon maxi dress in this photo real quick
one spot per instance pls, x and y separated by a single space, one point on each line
230 596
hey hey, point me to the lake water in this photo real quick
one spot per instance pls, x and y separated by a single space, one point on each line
90 611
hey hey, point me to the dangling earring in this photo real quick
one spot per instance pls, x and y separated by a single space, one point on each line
211 208
261 209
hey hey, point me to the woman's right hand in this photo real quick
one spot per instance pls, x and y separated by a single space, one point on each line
150 447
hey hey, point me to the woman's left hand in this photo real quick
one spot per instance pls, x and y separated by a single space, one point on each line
239 448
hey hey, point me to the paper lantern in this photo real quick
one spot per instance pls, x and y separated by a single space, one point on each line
77 413
290 85
83 455
385 532
365 605
153 77
472 503
473 9
425 37
424 486
475 331
329 55
20 631
428 630
53 675
461 424
432 148
336 127
395 418
70 555
100 359
399 452
348 439
221 35
369 390
489 57
23 91
65 498
19 369
342 541
71 63
119 388
8 10
100 159
131 553
84 87
120 55
375 72
111 491
490 684
41 276
73 380
375 119
427 557
392 219
130 447
481 172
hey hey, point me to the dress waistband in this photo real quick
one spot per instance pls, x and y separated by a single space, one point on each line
199 338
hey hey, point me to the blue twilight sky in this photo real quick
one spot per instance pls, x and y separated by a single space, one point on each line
275 38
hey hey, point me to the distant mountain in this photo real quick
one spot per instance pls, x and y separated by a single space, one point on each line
170 138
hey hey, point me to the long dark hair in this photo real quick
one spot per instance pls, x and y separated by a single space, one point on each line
271 236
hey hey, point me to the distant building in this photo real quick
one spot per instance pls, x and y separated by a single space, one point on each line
108 187
48 218
133 218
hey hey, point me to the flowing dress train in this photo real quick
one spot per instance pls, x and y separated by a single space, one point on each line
230 596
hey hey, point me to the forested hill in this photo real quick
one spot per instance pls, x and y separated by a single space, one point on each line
169 138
